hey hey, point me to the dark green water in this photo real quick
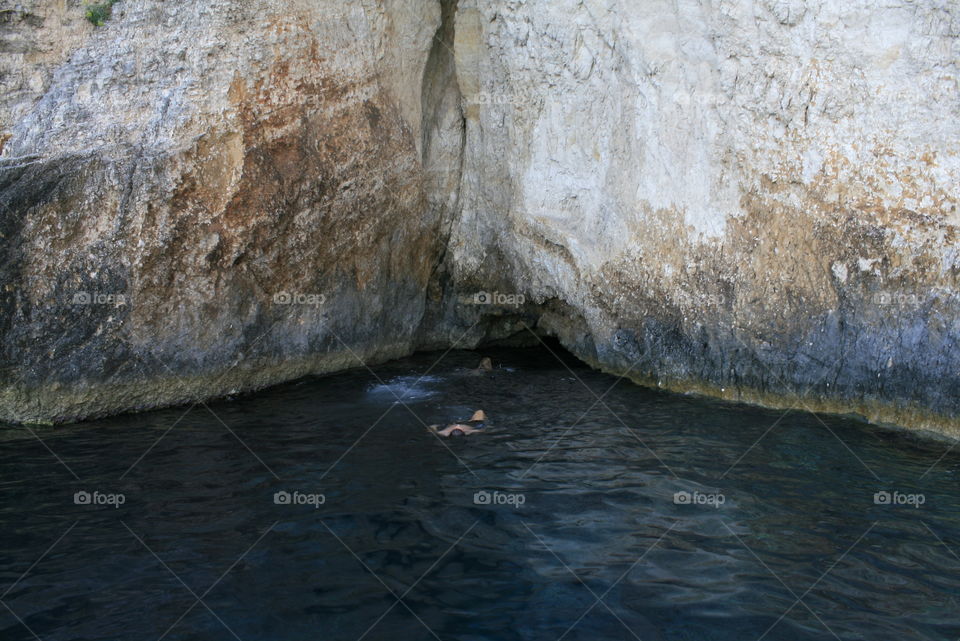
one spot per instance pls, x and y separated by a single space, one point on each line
782 537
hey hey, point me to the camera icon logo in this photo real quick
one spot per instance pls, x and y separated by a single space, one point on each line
81 298
281 498
482 298
282 298
82 498
882 498
682 497
482 498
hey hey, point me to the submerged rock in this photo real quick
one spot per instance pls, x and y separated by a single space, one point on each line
754 200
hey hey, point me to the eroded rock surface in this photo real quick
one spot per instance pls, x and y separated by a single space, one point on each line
753 200
756 200
212 197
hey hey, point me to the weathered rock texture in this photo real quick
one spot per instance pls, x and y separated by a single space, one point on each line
754 200
36 37
210 197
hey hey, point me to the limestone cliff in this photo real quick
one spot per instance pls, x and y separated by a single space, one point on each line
754 200
209 197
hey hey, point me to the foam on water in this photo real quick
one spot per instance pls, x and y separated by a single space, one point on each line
405 388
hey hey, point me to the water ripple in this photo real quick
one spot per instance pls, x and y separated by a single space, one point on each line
651 515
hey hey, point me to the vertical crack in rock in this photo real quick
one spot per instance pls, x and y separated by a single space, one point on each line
443 145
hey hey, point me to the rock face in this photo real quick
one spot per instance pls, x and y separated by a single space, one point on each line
36 37
753 200
212 197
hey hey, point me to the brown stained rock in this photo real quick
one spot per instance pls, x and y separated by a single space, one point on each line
268 224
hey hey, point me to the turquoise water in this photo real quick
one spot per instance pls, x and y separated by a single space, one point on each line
561 521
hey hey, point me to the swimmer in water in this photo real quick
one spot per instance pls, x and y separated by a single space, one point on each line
485 367
476 423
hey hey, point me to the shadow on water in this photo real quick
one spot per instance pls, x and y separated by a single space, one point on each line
645 515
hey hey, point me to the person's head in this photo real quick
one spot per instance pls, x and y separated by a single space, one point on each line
456 432
478 416
485 364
